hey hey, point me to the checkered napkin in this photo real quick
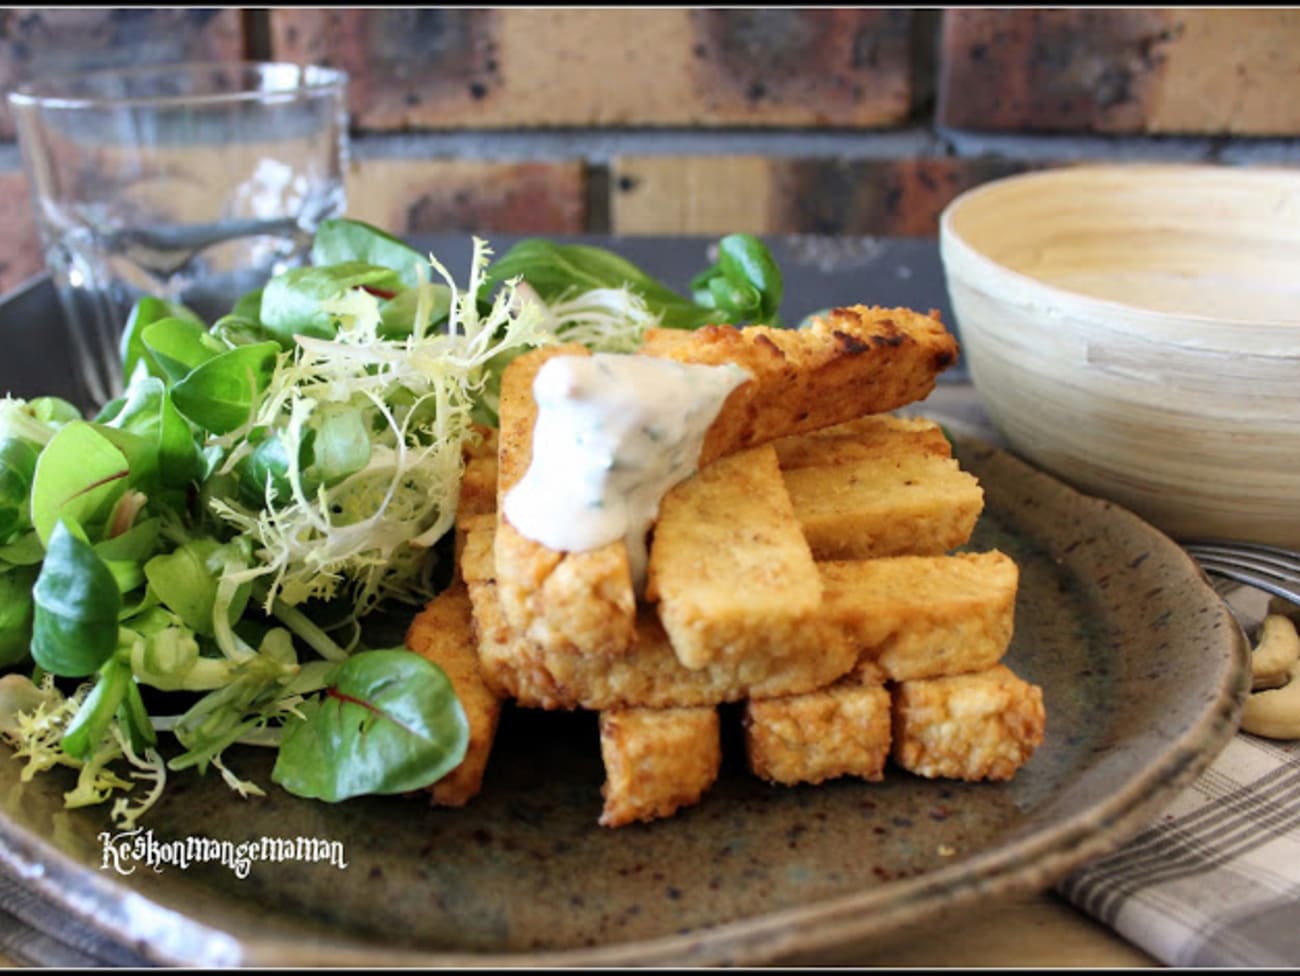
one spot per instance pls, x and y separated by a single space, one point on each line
1215 881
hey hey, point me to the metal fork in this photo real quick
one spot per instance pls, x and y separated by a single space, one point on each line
1269 568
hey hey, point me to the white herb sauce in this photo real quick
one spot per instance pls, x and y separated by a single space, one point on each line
614 433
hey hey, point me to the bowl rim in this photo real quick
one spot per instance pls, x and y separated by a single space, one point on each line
1100 309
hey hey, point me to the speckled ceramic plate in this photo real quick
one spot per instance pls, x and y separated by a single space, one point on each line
1142 668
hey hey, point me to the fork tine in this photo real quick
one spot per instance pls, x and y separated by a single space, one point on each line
1269 584
1269 568
1286 570
1281 559
1261 547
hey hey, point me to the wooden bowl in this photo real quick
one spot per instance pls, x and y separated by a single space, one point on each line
1135 330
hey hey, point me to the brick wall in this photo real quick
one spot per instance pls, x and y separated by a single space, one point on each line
850 121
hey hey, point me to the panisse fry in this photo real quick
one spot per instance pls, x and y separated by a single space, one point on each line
657 760
905 503
731 570
925 616
444 634
873 436
847 363
840 730
559 599
980 726
650 675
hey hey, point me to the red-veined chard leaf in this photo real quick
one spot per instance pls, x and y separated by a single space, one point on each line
79 475
388 722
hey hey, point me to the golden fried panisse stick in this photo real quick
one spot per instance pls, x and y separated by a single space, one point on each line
874 435
924 616
840 730
657 760
557 599
444 633
869 507
650 675
847 363
729 567
979 726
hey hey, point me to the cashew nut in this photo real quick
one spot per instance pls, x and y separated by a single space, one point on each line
1275 713
1276 651
1286 608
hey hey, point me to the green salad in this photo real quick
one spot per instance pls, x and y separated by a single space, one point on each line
210 558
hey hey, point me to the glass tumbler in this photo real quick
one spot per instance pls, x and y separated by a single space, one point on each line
194 183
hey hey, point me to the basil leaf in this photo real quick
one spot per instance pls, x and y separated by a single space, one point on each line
556 270
389 722
343 241
292 300
170 452
269 462
236 330
146 311
74 629
16 613
745 286
17 468
221 394
178 345
87 728
26 550
185 585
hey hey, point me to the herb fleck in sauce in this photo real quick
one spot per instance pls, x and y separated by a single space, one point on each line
614 433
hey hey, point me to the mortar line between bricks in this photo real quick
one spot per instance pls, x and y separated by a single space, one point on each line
605 146
598 148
